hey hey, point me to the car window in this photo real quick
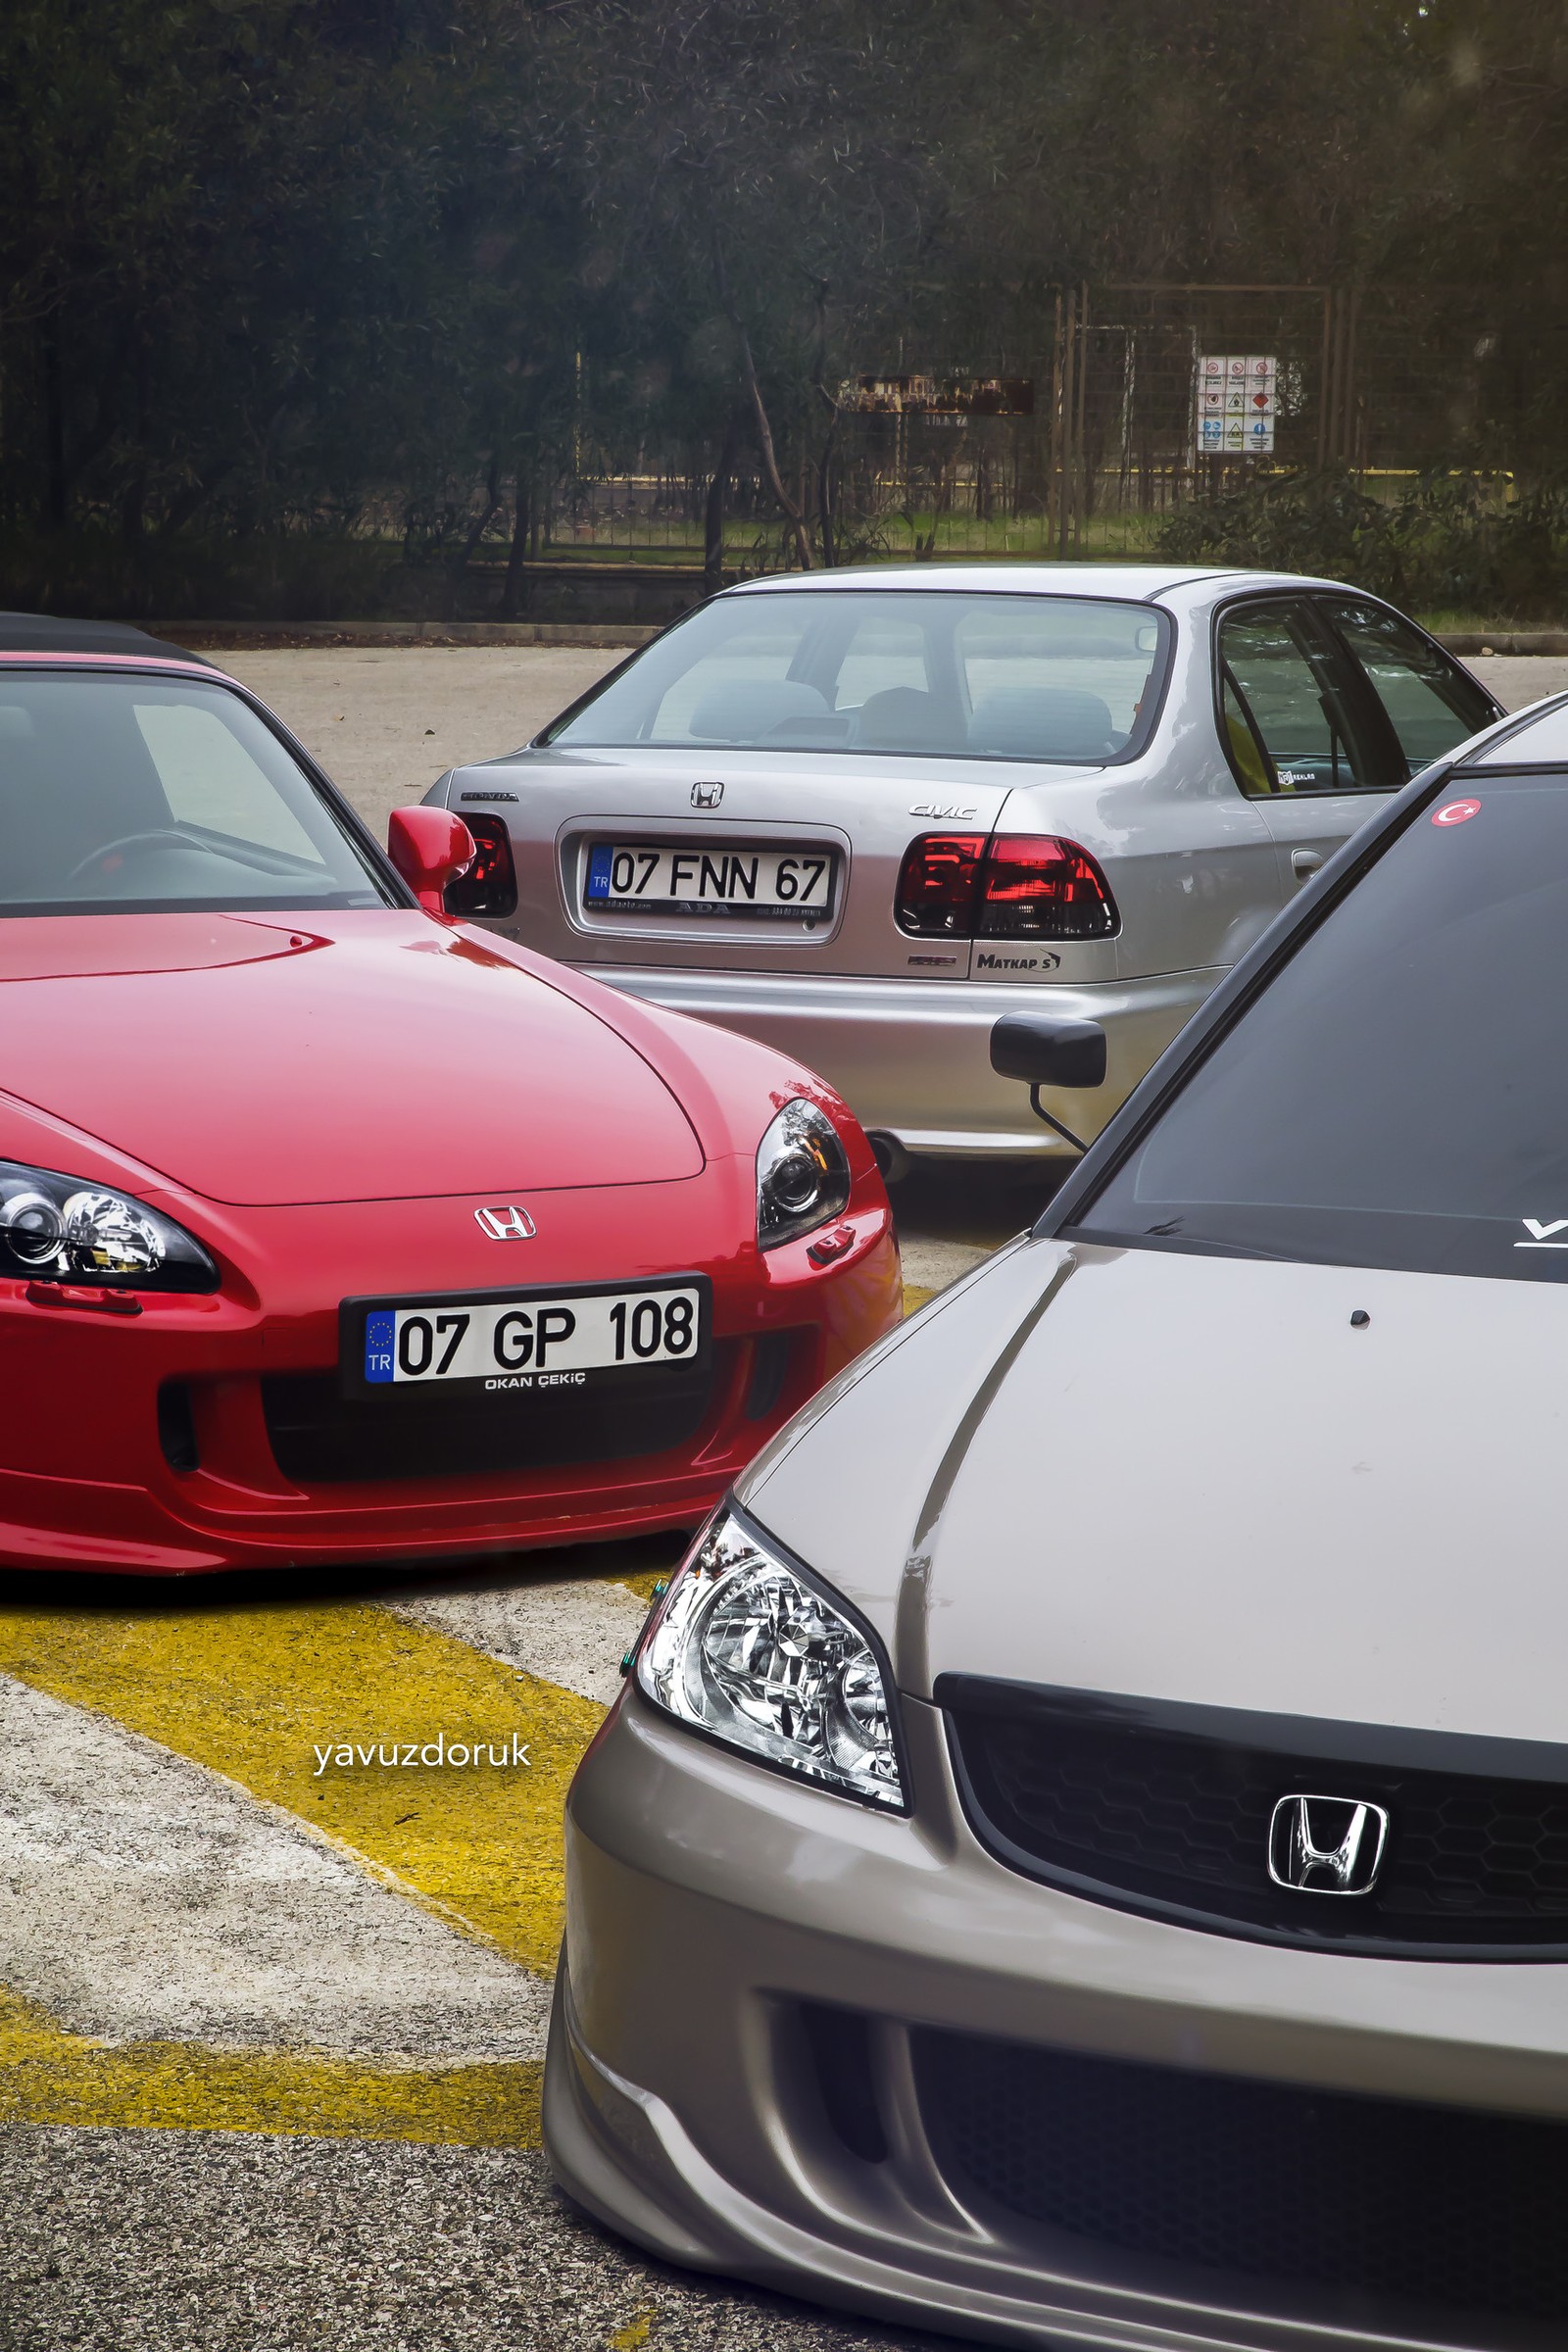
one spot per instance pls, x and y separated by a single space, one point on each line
881 654
934 672
121 791
1431 704
1391 1098
1031 674
210 778
1287 690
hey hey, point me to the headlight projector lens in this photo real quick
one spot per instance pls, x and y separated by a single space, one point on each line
57 1229
752 1652
803 1175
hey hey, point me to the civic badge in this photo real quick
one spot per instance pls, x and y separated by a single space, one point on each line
509 1224
1326 1844
706 796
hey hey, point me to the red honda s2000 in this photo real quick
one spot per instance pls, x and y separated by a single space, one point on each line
331 1228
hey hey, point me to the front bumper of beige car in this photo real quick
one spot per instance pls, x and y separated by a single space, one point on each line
912 1057
801 2043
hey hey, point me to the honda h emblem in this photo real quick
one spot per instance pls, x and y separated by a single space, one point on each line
706 796
510 1224
1326 1844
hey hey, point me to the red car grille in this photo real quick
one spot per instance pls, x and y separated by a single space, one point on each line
322 1438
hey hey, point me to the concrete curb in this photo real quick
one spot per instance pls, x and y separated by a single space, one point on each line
1504 641
401 632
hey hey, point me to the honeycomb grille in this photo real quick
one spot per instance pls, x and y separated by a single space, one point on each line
1413 2205
1169 1822
319 1436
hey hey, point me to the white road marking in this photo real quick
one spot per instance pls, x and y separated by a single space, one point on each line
562 1628
144 1897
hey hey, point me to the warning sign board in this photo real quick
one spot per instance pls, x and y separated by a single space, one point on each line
1236 403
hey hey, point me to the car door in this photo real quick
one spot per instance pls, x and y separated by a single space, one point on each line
1307 736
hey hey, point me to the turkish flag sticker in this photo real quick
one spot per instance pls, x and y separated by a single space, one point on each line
1456 812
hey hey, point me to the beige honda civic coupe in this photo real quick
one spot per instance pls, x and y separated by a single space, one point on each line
1082 1854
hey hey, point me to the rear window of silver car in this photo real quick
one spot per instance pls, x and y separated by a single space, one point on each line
126 792
905 672
1393 1096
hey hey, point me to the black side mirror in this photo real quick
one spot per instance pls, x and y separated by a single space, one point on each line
1043 1050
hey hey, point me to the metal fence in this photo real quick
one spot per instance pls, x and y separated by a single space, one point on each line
1391 382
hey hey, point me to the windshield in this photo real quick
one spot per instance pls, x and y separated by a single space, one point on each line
136 793
905 670
1398 1095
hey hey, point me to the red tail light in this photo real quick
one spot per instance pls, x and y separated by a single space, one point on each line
1018 886
490 885
1036 887
937 884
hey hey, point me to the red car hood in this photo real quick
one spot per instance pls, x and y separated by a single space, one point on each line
369 1056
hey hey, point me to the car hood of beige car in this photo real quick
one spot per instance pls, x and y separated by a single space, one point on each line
1192 1477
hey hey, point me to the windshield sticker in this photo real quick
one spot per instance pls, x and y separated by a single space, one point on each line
1456 812
1542 1230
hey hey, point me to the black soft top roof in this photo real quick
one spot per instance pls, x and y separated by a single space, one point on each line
41 633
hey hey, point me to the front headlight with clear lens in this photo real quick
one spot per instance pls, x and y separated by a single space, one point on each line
751 1651
803 1174
58 1229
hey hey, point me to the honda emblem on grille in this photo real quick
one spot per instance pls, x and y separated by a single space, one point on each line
1326 1844
510 1224
706 796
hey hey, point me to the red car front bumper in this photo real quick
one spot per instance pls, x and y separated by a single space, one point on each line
155 1442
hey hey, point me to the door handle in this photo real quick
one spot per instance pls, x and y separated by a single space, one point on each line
1305 865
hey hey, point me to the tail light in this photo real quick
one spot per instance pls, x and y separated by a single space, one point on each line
1016 886
1036 887
490 885
936 885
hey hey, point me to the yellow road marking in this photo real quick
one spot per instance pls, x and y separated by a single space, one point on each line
635 2333
252 1692
51 2076
914 1297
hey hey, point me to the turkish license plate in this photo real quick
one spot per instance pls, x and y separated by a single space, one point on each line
521 1341
667 878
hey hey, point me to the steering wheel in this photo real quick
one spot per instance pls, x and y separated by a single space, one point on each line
126 843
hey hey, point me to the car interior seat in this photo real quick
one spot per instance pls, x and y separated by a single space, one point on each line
901 718
1044 722
750 709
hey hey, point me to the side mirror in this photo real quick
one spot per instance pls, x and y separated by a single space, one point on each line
1043 1050
430 848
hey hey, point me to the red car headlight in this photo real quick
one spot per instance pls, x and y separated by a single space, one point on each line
803 1174
57 1228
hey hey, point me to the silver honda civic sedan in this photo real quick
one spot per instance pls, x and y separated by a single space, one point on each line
860 814
1082 1854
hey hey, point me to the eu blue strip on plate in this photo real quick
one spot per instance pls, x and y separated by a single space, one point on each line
379 1332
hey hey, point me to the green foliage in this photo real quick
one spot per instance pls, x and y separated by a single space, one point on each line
283 270
1449 541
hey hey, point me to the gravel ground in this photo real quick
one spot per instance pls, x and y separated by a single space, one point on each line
221 2242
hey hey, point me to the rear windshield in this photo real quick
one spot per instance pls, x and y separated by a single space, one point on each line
1398 1095
130 792
909 671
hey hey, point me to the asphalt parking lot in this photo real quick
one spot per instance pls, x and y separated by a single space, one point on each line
273 2005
